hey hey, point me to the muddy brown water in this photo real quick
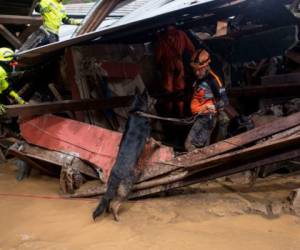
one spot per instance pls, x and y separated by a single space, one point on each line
206 216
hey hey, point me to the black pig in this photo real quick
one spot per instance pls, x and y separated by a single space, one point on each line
123 174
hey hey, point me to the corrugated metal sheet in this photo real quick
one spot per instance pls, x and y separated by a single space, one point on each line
78 9
126 7
16 7
123 9
182 13
83 9
142 10
158 7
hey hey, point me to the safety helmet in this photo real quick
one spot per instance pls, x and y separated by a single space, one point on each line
200 59
6 54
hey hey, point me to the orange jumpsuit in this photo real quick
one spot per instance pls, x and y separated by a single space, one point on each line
170 48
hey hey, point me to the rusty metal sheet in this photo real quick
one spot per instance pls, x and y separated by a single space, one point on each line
96 145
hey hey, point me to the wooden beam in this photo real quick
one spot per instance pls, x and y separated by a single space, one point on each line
10 37
68 105
291 78
214 171
233 143
29 161
56 158
14 19
271 90
99 13
207 175
58 97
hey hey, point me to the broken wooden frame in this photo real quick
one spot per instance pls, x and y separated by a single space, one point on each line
16 19
33 155
67 105
197 166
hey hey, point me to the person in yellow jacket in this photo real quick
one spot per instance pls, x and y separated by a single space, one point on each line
53 14
6 57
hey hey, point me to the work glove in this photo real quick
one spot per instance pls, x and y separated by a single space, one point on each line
2 109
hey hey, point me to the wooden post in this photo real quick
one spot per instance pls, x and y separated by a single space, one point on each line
10 37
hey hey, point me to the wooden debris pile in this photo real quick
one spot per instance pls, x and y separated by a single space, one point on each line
256 149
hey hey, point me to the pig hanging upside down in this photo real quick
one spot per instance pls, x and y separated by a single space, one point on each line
124 173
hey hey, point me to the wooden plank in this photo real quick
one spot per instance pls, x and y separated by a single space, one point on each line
214 173
240 156
243 155
57 158
233 143
31 162
98 14
270 90
10 37
67 105
58 97
291 78
71 72
15 19
216 168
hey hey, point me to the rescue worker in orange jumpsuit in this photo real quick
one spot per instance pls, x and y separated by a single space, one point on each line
207 104
169 52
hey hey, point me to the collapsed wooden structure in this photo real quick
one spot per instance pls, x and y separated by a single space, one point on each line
100 73
256 149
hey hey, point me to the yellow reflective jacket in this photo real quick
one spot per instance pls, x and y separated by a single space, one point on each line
3 80
4 86
53 13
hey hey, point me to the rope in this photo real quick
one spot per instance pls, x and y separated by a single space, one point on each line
185 121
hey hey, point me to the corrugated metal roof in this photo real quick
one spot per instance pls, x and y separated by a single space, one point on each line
183 12
81 10
158 7
78 9
142 9
126 7
122 9
15 7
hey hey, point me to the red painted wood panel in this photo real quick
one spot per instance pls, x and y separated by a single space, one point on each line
91 143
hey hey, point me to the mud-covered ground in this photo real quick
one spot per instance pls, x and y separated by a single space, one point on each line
215 215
